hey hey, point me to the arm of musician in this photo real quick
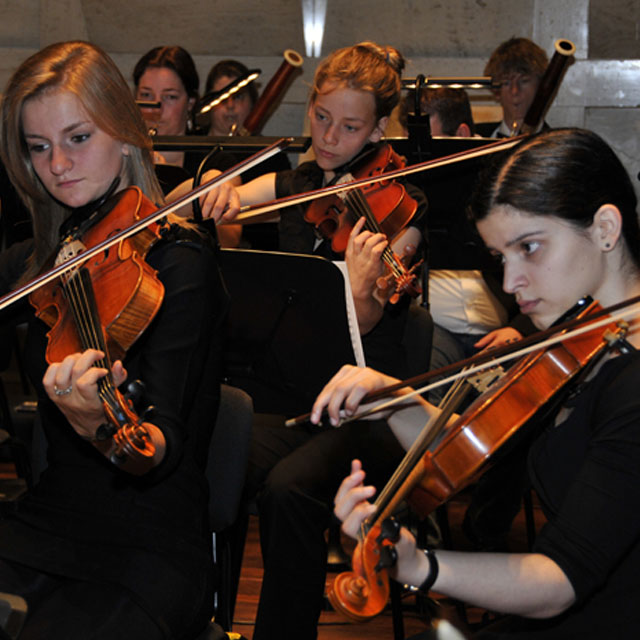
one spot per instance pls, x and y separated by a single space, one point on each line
525 584
223 203
218 199
342 396
407 242
77 377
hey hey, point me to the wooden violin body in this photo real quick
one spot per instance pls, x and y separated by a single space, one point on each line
106 303
125 288
392 207
386 207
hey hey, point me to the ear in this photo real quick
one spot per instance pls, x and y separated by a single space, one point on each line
379 129
463 131
125 149
607 227
191 102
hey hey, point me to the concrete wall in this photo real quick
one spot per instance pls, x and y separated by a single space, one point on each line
601 90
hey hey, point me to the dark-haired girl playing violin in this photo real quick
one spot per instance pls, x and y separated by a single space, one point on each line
295 472
561 214
109 545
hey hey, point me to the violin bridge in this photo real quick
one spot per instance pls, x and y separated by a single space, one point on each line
482 380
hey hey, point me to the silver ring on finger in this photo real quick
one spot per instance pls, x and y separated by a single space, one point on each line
62 392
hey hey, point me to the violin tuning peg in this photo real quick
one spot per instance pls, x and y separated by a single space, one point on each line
135 391
148 413
389 530
388 557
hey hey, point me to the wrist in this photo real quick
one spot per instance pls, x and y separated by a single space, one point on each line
426 571
432 573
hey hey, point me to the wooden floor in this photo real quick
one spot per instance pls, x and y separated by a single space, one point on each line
333 626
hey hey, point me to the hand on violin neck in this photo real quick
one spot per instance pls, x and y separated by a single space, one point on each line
73 386
363 258
351 504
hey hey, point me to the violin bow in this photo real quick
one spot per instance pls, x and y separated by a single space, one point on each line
257 213
485 359
231 173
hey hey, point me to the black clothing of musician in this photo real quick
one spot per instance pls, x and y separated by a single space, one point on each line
383 345
295 472
97 552
586 471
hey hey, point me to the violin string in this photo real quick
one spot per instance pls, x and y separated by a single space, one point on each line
82 302
621 314
356 201
429 434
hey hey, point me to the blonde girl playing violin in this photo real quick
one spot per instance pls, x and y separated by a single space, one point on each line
102 548
561 214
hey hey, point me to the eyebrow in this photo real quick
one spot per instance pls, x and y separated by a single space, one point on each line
67 129
148 88
350 118
523 236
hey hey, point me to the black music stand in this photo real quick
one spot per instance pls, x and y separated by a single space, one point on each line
287 331
453 242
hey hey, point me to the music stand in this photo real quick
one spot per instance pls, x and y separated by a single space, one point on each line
287 330
453 240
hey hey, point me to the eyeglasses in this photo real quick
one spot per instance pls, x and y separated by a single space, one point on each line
520 80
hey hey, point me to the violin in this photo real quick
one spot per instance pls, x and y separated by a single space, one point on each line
106 303
447 457
385 205
106 297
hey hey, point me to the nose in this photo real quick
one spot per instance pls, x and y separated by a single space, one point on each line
59 162
513 278
330 135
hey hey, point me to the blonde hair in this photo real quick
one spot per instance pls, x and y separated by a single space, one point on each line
89 74
367 67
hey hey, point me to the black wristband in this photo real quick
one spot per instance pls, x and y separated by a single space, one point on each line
432 576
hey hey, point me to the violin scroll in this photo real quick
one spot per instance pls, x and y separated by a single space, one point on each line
363 592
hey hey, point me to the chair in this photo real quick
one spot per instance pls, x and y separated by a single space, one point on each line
13 611
226 467
12 447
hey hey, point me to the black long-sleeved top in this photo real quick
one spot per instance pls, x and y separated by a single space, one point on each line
87 519
586 471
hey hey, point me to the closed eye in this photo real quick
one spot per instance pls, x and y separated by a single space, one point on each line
37 147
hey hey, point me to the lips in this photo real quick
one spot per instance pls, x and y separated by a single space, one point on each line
527 306
326 154
67 184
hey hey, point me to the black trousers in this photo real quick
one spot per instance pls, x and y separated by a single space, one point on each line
76 610
294 474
